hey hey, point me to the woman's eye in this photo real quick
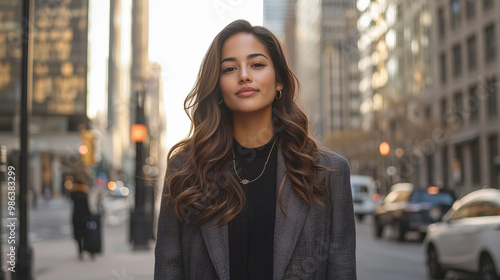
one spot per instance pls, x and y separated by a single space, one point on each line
228 69
257 65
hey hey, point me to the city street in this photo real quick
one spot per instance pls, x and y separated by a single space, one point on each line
51 220
98 97
388 259
55 253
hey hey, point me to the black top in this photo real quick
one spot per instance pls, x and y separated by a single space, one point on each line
81 212
251 233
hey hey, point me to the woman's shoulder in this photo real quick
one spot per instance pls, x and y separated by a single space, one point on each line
175 162
79 188
333 160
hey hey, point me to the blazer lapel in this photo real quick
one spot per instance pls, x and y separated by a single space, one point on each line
287 228
217 241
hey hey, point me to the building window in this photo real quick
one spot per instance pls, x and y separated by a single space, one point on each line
444 114
442 70
470 9
441 22
491 88
446 166
455 12
459 159
489 44
428 112
476 163
473 104
494 168
487 4
472 53
457 60
393 126
399 12
458 109
430 169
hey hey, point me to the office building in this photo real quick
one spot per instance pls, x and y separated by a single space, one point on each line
325 63
59 89
466 98
396 72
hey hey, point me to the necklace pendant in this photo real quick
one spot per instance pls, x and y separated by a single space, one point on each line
244 181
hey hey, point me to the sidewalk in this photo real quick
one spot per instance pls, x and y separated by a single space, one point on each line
56 259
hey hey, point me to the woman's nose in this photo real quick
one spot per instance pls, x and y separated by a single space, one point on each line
245 76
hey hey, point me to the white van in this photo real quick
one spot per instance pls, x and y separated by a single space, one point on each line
364 195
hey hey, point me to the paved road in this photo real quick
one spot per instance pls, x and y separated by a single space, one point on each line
51 234
388 259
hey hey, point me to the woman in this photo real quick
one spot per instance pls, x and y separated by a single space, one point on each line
249 195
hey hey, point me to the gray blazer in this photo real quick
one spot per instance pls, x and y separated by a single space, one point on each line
310 242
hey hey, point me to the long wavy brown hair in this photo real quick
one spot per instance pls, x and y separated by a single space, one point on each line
201 182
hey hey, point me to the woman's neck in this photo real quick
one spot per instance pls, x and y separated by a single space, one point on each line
253 130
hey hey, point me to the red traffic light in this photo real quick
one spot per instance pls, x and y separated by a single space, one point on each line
138 133
384 148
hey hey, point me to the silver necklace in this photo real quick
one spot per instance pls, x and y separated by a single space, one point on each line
246 181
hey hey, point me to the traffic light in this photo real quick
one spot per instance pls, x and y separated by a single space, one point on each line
384 148
138 133
86 149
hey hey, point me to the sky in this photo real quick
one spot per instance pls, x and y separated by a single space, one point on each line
180 33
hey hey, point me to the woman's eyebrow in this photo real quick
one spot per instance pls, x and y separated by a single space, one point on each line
248 56
256 54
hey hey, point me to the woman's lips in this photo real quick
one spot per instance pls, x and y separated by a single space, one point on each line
246 91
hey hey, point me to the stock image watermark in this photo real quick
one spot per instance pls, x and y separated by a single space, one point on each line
11 224
221 7
121 275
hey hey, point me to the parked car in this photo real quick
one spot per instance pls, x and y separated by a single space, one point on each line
364 195
468 238
407 208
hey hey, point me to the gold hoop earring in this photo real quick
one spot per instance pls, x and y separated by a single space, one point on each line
279 95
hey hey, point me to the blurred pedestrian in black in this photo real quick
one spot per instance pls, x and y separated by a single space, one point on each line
81 209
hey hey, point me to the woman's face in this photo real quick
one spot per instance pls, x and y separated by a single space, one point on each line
247 78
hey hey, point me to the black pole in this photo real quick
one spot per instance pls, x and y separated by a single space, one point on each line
139 195
23 270
139 186
141 226
3 171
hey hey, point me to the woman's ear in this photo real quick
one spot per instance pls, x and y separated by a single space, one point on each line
279 86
